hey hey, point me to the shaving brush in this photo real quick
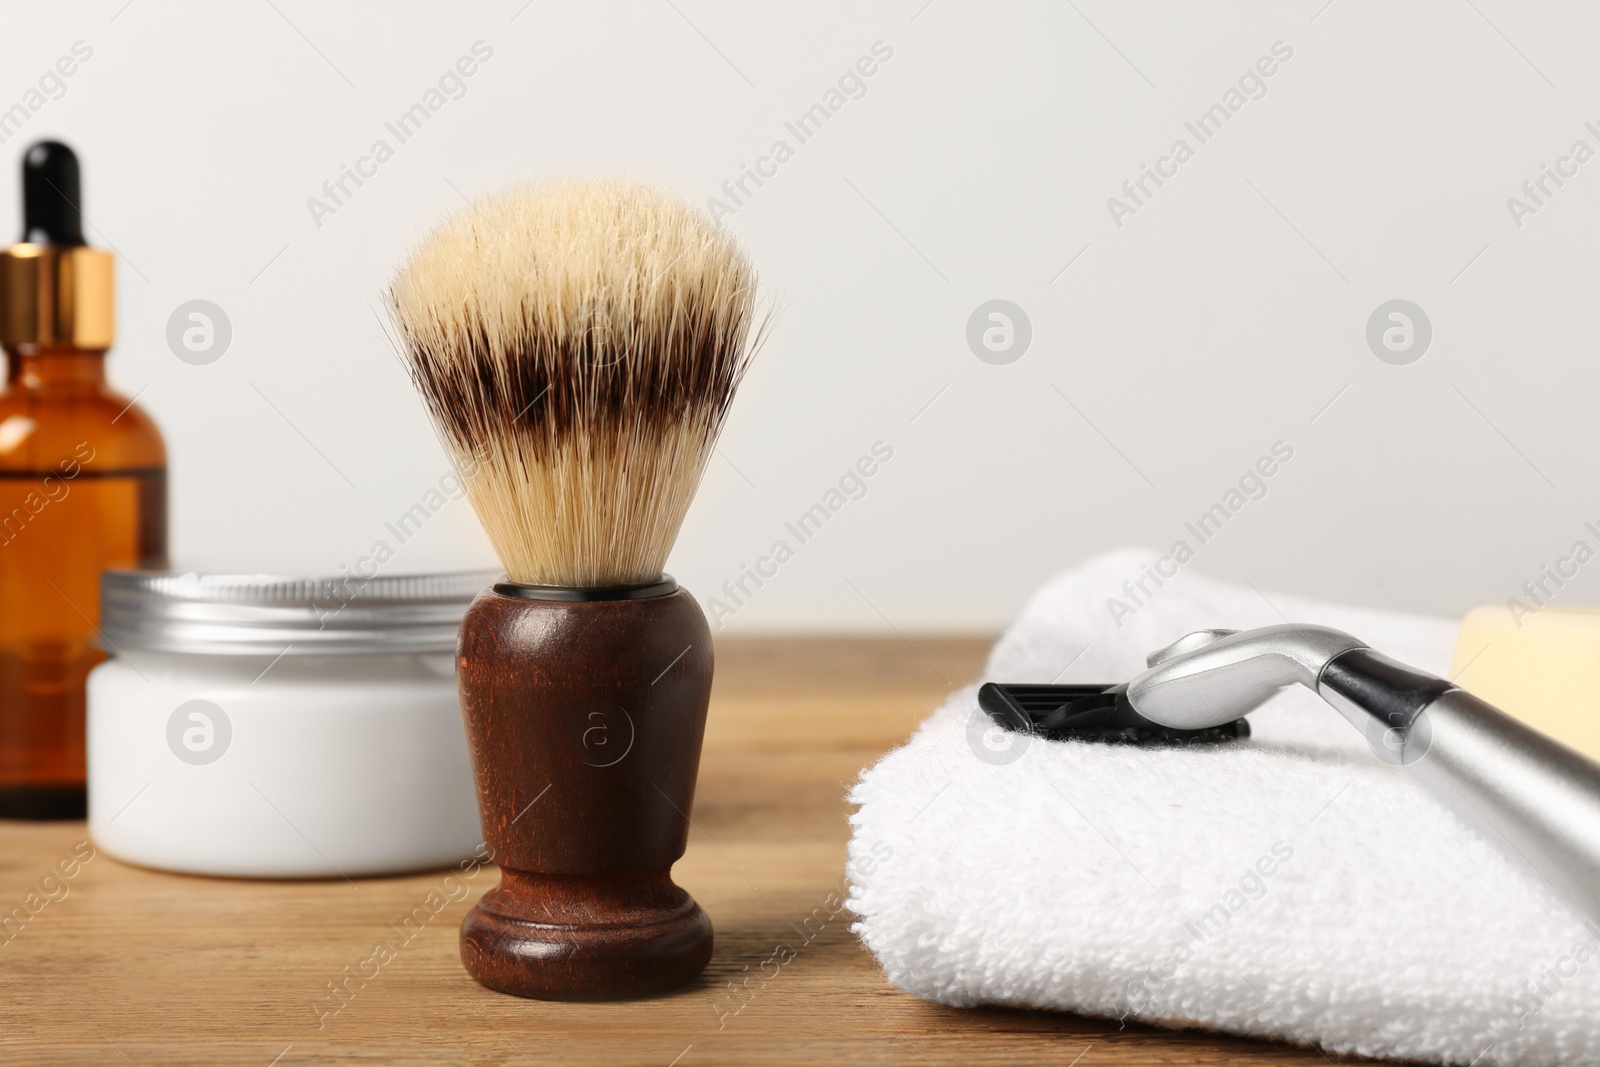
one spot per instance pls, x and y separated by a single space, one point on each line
578 346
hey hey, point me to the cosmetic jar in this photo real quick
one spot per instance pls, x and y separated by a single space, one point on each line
279 727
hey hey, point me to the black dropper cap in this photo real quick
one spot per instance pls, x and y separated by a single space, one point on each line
51 195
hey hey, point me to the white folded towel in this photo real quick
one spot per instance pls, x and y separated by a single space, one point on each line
1289 886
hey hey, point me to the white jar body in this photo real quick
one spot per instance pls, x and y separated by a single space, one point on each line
307 767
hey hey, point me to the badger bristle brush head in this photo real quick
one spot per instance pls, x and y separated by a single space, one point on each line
578 346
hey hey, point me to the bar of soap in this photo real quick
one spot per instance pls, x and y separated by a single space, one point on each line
1543 667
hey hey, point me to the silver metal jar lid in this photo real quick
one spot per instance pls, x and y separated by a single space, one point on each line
263 614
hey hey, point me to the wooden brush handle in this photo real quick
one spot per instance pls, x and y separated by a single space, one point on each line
585 722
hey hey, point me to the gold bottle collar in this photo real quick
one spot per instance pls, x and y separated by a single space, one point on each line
57 295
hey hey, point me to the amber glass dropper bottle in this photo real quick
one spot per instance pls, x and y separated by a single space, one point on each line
83 487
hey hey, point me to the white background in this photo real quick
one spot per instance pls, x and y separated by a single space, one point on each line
1225 315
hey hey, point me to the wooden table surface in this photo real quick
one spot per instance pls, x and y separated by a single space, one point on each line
140 967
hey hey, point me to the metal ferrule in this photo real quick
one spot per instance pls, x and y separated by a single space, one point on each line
663 586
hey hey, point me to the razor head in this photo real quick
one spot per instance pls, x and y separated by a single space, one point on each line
1090 713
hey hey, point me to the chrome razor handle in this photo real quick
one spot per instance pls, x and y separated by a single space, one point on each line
1532 797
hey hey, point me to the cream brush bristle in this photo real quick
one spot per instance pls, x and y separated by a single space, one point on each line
578 345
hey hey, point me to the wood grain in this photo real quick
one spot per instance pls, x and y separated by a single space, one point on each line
132 966
585 723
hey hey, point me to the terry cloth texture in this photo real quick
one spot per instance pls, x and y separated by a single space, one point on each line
1291 886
